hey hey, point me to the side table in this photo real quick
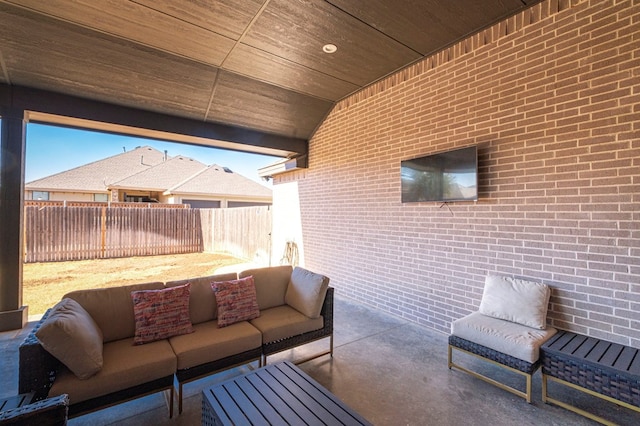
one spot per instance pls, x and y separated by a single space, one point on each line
20 410
597 367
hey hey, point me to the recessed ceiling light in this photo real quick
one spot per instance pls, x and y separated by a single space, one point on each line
329 48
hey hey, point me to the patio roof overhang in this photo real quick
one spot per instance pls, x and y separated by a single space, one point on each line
41 106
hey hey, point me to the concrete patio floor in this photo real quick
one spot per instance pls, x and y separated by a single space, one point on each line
389 370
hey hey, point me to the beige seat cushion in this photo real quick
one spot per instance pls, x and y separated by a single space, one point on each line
125 365
112 308
306 292
72 336
202 304
271 284
209 343
284 321
507 337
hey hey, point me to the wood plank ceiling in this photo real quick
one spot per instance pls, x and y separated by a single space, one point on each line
253 64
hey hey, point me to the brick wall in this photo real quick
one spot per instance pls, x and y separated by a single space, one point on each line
552 99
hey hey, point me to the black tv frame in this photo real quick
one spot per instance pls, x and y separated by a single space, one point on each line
458 161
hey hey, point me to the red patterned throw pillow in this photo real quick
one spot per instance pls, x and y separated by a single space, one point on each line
160 314
236 300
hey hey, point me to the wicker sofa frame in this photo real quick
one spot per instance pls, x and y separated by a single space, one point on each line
509 362
603 369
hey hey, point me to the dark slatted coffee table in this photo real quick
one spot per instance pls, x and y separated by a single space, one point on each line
600 368
279 394
16 401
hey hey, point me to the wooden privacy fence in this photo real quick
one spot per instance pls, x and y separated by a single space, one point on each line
55 233
129 205
242 232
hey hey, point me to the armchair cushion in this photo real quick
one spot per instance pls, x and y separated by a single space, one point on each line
516 300
507 337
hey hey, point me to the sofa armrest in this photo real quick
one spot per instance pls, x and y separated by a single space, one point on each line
327 312
36 367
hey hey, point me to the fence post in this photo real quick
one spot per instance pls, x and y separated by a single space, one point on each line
103 232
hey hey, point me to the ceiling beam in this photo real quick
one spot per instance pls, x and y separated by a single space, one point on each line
71 111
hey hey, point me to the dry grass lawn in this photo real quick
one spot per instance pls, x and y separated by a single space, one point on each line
45 283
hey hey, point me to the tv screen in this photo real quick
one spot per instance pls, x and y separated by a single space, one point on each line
445 176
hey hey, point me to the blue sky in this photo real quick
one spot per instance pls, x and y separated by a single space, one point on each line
52 149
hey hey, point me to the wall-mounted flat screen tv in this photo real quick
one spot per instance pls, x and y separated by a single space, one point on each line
444 176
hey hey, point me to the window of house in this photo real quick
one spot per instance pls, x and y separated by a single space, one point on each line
103 198
41 195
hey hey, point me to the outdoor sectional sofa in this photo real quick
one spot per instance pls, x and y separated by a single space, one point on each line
116 344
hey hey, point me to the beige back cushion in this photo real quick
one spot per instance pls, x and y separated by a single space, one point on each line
72 336
271 284
516 300
202 303
306 292
112 308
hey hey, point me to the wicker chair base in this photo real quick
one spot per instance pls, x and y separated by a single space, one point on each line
500 359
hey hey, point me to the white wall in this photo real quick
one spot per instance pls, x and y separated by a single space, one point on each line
287 222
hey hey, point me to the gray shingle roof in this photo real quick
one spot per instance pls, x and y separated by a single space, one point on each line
163 175
220 181
145 168
96 176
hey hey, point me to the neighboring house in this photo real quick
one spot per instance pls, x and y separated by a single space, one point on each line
148 175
